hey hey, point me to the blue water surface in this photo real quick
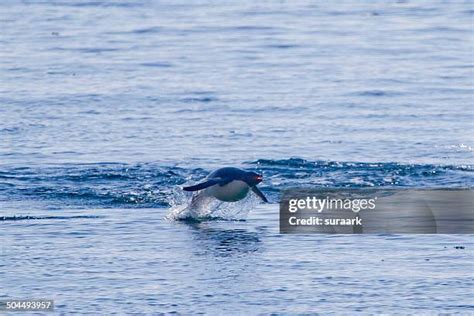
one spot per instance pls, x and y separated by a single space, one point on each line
108 107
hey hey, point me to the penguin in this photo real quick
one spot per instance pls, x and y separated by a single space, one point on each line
230 184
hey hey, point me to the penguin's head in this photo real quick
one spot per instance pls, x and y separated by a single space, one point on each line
252 178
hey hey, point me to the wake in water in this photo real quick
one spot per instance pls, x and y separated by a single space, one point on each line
199 207
30 217
150 185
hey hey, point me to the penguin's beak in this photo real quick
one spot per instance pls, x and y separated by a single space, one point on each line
258 178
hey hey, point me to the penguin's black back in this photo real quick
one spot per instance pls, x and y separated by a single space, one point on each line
229 173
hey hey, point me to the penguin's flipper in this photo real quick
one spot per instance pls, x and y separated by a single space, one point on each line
259 193
206 184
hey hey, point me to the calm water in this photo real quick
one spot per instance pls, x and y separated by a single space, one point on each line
106 108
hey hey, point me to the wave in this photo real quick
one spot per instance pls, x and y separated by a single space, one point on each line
109 185
29 217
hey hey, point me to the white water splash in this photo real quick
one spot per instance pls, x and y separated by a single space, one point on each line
198 206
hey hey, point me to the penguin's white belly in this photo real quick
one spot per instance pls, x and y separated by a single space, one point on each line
231 192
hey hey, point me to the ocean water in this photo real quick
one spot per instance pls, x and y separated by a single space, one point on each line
108 107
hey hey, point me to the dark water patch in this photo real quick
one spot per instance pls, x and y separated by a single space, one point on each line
273 109
376 93
191 110
19 69
440 30
94 185
285 173
282 46
224 242
94 50
154 29
254 28
90 112
203 219
87 50
109 185
95 4
30 217
9 130
157 64
203 99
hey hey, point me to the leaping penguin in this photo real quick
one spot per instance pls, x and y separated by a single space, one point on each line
230 184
